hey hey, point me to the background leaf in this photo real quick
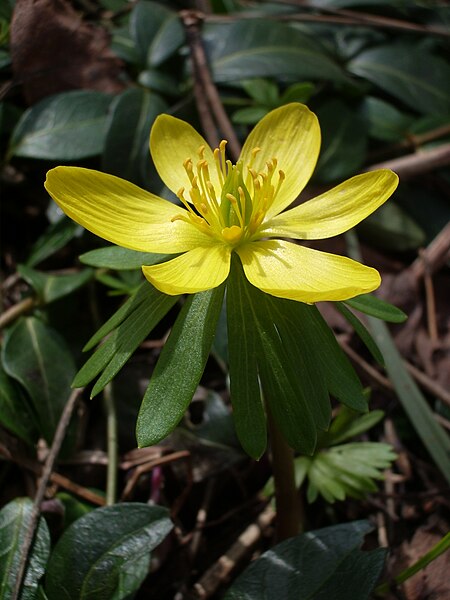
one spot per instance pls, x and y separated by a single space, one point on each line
409 73
112 548
14 520
321 564
156 31
258 48
118 258
15 413
64 127
126 153
344 135
52 287
38 358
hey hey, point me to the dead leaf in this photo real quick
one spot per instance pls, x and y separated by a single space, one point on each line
53 50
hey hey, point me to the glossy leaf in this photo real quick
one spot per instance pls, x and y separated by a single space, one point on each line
118 258
126 153
64 127
409 73
259 48
15 412
52 287
14 521
386 122
322 564
39 359
179 367
371 305
156 30
112 547
344 141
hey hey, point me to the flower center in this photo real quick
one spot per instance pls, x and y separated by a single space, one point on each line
232 214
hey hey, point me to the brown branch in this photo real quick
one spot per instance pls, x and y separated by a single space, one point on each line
192 21
40 493
414 164
434 256
17 310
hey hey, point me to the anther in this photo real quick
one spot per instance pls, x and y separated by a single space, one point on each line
201 151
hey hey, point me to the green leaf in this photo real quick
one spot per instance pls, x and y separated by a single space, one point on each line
348 424
15 413
55 237
119 316
371 305
126 151
386 123
433 436
261 48
243 339
298 92
144 313
14 522
157 32
112 548
39 359
52 287
324 564
161 82
262 91
345 470
409 73
342 381
120 259
391 228
64 127
180 367
362 332
249 115
344 141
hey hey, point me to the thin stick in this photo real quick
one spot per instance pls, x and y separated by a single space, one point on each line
40 493
17 310
416 163
112 445
222 569
192 21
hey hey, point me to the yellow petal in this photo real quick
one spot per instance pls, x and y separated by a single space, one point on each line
195 271
337 210
172 141
291 134
290 271
121 212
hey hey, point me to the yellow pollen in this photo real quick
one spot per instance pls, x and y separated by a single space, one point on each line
201 151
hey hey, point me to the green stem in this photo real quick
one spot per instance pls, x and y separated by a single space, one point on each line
441 547
112 451
288 503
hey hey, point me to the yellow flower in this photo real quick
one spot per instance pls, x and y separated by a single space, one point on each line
232 208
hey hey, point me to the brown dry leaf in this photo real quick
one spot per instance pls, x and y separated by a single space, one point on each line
53 51
431 583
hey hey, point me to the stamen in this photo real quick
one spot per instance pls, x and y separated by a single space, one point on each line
201 151
242 199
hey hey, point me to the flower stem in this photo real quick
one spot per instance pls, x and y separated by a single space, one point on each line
113 459
288 503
